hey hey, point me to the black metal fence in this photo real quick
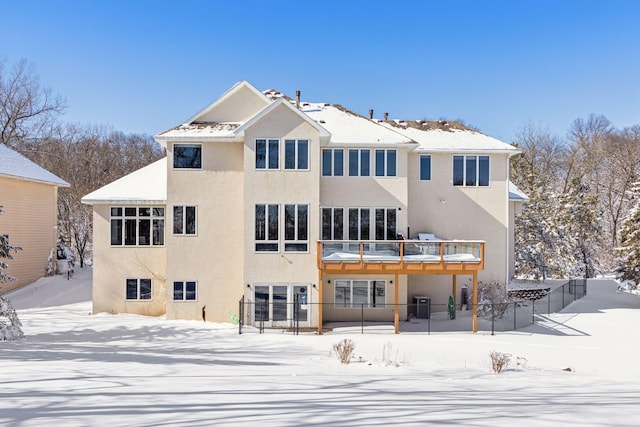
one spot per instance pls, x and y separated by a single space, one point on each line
417 318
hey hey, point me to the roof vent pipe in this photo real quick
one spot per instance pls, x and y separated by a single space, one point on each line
370 114
298 99
386 116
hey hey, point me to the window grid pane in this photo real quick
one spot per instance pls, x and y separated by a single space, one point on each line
425 168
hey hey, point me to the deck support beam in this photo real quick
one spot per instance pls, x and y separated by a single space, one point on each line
320 302
396 310
474 312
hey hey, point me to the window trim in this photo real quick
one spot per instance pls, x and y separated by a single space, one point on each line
296 228
267 218
267 156
296 154
386 154
372 293
153 219
476 160
181 144
184 221
138 290
360 163
333 153
420 174
184 291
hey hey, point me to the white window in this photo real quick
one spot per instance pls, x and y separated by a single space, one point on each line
386 223
425 167
332 224
184 220
296 228
359 293
333 162
359 162
359 223
184 291
471 171
296 154
266 228
187 156
267 153
386 162
137 226
138 289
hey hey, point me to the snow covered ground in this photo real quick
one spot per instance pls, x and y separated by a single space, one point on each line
77 369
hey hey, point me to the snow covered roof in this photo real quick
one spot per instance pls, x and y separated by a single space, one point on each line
516 195
347 127
453 140
200 131
15 165
147 185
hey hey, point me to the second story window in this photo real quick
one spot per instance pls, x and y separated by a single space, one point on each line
296 228
359 162
386 162
137 226
296 154
471 171
333 162
266 232
184 220
187 156
425 167
267 152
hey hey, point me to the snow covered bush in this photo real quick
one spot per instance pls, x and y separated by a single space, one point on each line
493 299
344 349
10 326
628 267
499 361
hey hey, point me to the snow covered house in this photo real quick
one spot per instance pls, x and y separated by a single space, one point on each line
29 200
271 200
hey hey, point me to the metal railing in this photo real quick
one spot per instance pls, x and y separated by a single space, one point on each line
363 318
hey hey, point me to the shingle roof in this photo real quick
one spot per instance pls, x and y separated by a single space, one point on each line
17 166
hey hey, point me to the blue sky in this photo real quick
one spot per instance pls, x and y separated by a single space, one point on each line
145 66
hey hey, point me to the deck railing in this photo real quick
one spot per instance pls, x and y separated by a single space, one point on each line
402 253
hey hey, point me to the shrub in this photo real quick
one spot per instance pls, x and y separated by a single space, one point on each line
344 349
499 361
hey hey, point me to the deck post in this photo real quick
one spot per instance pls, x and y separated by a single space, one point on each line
319 302
474 313
453 289
396 311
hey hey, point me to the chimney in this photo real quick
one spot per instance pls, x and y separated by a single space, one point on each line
386 116
298 99
370 114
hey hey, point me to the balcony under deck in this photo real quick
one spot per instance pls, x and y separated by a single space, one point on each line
400 256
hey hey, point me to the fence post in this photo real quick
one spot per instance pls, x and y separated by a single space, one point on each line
493 319
533 312
240 308
563 294
549 302
514 316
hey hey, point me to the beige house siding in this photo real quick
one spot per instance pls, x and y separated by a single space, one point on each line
113 265
281 187
30 221
214 256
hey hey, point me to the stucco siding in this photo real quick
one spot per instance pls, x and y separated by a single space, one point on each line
30 221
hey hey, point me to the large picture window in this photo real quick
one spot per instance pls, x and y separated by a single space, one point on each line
385 162
267 154
184 220
333 162
471 171
296 228
187 156
184 291
138 289
137 226
359 294
266 223
296 154
359 162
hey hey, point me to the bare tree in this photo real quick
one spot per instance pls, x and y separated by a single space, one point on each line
26 109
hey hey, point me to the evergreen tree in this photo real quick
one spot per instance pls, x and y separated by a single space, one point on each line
5 253
629 251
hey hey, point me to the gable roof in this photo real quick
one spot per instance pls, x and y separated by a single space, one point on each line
516 194
450 141
15 165
147 185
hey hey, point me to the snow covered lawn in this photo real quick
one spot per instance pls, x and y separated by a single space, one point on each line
75 369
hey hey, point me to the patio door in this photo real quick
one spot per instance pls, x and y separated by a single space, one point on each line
275 304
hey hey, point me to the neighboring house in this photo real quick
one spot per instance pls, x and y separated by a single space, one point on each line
267 199
29 197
